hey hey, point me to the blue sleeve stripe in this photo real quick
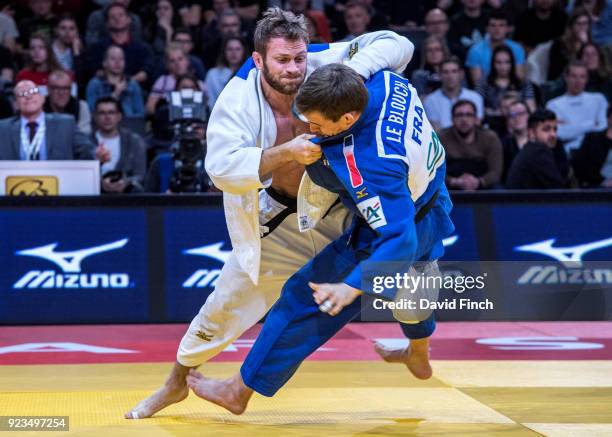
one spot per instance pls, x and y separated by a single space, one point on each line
315 48
243 73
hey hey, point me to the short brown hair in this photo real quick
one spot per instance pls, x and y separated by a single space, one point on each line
277 23
332 90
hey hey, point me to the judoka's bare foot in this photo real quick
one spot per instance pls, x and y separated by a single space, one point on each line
174 390
415 357
230 394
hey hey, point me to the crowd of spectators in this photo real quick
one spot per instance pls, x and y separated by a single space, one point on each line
517 90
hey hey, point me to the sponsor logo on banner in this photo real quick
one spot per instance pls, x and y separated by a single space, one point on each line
571 270
71 275
203 278
32 186
372 211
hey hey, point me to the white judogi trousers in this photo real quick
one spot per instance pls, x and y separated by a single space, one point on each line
236 304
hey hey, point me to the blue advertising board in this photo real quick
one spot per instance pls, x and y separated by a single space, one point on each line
73 266
156 259
196 246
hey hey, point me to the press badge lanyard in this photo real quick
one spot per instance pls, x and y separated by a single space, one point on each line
32 148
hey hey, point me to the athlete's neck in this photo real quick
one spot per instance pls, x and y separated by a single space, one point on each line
279 102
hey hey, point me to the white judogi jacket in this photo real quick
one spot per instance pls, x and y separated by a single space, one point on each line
242 125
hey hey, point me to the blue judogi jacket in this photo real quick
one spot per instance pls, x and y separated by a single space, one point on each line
385 168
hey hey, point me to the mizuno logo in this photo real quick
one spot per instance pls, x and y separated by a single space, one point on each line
204 336
566 255
204 278
211 250
70 262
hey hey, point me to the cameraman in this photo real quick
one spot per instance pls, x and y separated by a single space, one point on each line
182 168
121 152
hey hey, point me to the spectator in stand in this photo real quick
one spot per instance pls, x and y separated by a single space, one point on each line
8 29
121 152
39 63
313 36
67 45
114 83
600 12
182 38
480 54
319 19
565 48
379 20
357 20
578 112
97 28
6 107
517 137
227 25
191 12
177 65
474 158
436 24
542 22
60 101
233 55
468 26
138 55
439 103
158 33
542 162
592 162
427 78
501 79
7 66
34 135
41 22
599 70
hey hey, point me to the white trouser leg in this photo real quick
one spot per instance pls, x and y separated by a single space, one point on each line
236 304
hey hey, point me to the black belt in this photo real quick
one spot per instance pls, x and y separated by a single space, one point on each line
420 215
291 208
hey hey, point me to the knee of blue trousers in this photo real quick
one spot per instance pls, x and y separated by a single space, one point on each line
424 329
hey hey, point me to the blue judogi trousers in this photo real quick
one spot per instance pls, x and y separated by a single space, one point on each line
295 327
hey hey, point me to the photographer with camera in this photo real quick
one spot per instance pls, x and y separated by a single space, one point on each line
181 170
121 152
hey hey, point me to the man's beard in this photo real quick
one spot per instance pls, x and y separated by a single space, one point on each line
464 133
288 89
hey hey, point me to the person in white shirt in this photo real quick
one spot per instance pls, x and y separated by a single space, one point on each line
439 103
578 112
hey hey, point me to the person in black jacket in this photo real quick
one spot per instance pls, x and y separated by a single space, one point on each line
592 162
542 162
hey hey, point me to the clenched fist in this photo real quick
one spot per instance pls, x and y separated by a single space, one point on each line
302 150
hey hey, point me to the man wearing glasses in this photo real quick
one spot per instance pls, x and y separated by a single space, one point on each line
473 154
61 101
36 135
